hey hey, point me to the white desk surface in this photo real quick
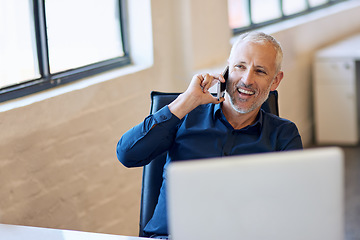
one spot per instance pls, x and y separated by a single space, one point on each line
15 232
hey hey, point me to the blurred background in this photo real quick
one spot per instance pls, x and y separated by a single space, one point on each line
75 75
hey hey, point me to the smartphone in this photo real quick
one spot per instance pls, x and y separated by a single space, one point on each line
222 86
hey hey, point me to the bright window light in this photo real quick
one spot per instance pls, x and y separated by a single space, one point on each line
264 10
87 32
293 6
238 13
18 55
314 3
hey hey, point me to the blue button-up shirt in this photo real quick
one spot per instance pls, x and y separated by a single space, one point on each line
203 133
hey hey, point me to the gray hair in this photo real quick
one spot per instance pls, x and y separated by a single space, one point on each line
261 38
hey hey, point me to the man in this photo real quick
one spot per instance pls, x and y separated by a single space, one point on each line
197 125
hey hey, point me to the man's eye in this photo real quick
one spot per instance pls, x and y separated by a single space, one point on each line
260 71
240 66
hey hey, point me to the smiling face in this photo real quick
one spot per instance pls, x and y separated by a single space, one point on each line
252 75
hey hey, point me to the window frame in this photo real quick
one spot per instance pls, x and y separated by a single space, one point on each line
283 17
48 80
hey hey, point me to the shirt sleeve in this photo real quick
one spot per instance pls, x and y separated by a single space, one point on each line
155 135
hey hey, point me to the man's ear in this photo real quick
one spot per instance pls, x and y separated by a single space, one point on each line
277 80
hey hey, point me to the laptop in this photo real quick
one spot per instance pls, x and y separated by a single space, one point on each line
295 195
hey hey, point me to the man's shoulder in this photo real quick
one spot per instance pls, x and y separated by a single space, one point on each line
274 120
283 130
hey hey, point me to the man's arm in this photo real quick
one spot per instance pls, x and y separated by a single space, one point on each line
155 135
138 146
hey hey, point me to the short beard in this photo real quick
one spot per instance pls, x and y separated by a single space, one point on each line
254 106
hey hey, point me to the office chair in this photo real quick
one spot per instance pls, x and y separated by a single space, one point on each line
152 173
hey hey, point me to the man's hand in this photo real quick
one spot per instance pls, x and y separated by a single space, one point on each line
196 94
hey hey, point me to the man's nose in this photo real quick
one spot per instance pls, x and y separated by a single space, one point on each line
248 78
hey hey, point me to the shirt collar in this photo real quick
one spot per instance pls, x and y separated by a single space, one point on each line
218 113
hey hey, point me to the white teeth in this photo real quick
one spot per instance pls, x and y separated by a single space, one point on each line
245 91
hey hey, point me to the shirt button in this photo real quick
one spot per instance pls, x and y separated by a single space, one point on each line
163 117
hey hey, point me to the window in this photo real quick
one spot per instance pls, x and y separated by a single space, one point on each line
245 15
18 58
292 7
46 43
258 14
239 15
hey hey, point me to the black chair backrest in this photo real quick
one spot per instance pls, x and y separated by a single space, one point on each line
152 173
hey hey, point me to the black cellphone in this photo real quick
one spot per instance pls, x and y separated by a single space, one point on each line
222 86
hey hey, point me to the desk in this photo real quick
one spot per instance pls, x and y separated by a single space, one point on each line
15 232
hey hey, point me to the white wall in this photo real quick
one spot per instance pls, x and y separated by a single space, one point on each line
57 154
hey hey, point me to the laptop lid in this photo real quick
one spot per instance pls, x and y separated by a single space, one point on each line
274 196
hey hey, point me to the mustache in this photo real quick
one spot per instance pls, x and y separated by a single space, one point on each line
242 85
